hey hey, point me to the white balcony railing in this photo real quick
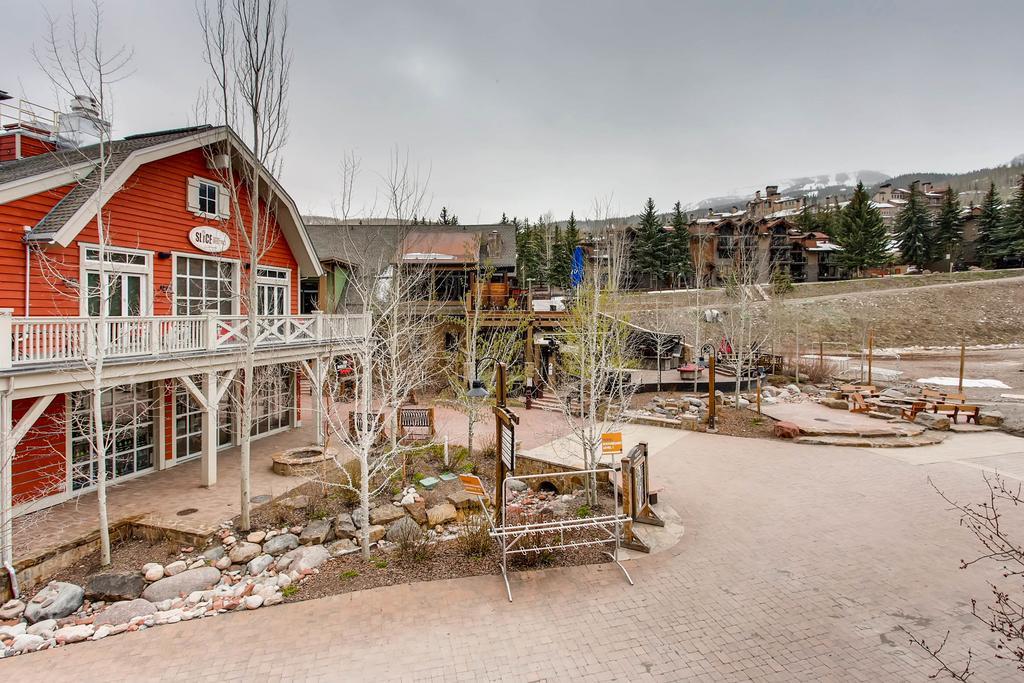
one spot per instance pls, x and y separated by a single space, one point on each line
43 340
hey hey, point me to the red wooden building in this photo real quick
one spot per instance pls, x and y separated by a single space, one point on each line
175 262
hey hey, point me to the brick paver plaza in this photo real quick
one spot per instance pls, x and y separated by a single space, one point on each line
798 563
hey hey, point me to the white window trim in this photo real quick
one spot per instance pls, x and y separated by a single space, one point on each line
84 268
236 299
286 281
192 198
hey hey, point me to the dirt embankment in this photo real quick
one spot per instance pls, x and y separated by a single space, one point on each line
984 312
980 311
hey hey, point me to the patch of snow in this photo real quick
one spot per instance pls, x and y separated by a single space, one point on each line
972 383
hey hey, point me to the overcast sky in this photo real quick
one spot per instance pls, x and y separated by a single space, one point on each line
528 107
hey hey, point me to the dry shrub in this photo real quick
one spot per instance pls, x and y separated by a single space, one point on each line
812 370
412 545
474 536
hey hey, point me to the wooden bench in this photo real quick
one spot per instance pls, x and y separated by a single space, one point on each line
848 390
933 396
415 423
970 412
910 413
947 409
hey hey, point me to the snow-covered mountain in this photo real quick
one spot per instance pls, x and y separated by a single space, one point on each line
821 185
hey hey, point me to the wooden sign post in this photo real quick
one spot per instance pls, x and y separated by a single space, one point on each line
636 488
505 422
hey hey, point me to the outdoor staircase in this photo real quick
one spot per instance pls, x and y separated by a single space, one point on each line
548 403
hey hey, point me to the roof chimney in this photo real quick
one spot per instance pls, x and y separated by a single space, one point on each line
82 125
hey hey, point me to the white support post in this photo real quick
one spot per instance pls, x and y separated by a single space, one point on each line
6 338
318 326
208 476
211 329
10 436
318 366
6 479
154 336
315 370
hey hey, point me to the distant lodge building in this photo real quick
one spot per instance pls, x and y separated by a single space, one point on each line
767 244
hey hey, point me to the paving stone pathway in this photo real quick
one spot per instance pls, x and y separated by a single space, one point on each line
798 563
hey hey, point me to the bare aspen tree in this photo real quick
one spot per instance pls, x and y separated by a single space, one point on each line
246 49
503 344
77 62
597 350
394 354
740 324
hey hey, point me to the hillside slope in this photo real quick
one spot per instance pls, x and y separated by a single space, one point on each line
925 311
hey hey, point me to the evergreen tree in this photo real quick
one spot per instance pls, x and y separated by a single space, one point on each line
949 226
816 219
680 258
1011 234
529 256
572 233
647 252
504 218
560 264
913 229
989 224
447 218
861 233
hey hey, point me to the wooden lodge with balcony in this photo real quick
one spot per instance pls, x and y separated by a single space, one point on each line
720 245
159 302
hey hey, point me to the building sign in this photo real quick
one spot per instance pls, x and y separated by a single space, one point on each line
611 443
210 240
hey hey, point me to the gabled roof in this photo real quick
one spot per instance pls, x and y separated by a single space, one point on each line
375 245
25 177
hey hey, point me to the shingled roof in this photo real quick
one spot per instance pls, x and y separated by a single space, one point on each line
375 245
19 169
118 151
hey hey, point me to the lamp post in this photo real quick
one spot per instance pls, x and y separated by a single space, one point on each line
712 397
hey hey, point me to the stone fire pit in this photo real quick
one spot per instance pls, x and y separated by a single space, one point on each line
304 461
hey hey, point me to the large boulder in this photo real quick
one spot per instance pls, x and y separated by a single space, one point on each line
786 430
385 514
259 564
377 532
124 611
27 643
440 514
280 544
184 583
215 553
73 633
243 552
341 547
516 485
12 609
990 418
932 421
317 532
835 403
404 530
344 526
304 557
463 500
56 600
114 586
417 510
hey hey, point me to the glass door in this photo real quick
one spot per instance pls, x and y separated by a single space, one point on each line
124 294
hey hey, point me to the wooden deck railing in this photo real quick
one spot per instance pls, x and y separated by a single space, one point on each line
62 340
